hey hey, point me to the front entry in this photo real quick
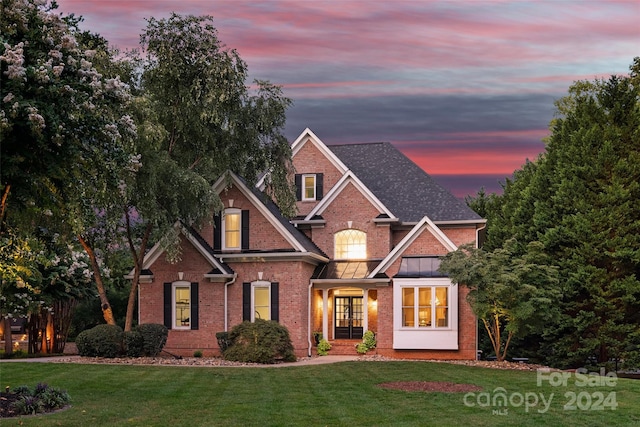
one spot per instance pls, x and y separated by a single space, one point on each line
348 317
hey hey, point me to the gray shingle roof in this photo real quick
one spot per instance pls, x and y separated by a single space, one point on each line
404 188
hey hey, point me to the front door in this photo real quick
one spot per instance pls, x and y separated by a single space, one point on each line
348 317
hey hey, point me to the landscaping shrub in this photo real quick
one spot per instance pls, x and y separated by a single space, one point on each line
42 398
323 347
368 342
262 341
223 341
154 336
100 341
133 343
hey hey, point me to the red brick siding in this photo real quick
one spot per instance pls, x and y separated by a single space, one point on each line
263 235
351 205
310 160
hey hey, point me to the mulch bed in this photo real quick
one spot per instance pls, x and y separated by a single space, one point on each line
6 400
430 386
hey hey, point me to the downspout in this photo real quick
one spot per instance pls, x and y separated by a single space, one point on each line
226 299
309 321
478 230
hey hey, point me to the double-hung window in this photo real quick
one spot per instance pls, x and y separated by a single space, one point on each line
232 231
309 187
181 305
260 300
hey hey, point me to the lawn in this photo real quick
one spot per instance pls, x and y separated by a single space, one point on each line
341 394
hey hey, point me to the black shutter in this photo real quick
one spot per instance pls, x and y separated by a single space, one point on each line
245 229
217 232
319 186
246 301
194 306
298 183
167 306
275 302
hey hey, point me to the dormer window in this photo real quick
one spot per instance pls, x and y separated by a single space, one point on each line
309 186
350 244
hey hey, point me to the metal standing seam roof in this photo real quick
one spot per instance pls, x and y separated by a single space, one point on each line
404 188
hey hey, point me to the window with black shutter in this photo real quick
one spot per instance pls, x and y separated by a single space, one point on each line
260 300
181 308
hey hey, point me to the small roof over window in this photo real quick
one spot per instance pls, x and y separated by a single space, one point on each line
345 270
413 267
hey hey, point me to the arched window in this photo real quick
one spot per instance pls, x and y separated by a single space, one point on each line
350 244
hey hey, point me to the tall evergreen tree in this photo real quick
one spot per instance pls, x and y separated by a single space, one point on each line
580 200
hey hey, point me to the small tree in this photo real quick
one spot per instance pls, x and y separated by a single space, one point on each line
511 295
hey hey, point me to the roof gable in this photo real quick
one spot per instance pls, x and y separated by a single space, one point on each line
198 243
308 137
425 224
348 178
298 240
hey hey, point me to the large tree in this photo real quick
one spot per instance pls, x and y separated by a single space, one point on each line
66 136
580 200
198 119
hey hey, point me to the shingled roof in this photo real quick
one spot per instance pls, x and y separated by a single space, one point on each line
404 188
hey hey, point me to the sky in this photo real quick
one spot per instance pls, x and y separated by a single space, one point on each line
465 88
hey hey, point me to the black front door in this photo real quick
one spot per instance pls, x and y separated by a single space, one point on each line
348 317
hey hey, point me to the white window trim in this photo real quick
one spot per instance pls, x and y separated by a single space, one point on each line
425 338
304 192
174 285
259 284
335 244
223 234
433 307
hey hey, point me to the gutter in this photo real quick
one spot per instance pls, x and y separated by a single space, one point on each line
310 344
226 301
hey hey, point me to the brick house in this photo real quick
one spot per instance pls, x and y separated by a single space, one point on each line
362 254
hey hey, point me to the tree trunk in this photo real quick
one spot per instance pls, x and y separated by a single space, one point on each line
107 313
3 202
138 258
8 339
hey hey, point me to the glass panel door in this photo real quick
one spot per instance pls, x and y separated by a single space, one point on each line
349 317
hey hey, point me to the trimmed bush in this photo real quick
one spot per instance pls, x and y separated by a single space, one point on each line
154 336
100 341
223 341
133 343
262 341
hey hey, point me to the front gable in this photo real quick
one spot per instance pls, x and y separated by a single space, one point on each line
194 249
349 180
425 238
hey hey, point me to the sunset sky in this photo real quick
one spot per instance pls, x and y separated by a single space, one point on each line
464 88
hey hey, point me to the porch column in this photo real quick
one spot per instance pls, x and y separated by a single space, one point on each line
325 314
365 310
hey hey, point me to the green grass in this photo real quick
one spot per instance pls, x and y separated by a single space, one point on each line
342 394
